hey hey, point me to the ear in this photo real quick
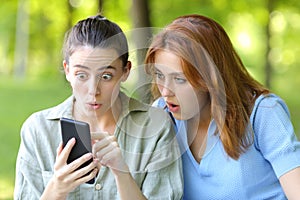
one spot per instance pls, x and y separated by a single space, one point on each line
66 69
126 72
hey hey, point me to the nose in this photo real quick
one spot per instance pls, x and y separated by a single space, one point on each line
94 87
166 89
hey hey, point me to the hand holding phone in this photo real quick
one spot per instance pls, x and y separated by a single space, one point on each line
81 132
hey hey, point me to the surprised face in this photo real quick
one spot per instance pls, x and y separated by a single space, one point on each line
95 75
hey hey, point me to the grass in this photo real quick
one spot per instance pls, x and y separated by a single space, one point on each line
18 99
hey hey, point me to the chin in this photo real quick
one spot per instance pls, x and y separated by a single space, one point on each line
182 117
178 116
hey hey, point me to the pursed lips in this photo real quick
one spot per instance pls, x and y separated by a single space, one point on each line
94 105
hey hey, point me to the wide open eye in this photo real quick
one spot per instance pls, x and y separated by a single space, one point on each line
81 76
106 76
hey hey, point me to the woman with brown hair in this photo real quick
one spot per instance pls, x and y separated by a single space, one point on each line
236 137
134 149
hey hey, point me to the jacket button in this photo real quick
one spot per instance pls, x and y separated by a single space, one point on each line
98 186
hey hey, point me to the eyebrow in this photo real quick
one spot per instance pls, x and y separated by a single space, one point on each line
99 69
173 73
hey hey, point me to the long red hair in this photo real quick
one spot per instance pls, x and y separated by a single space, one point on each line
210 63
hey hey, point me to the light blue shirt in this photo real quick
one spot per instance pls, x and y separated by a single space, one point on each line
274 152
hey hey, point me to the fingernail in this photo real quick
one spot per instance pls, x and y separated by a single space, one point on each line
72 139
95 171
89 155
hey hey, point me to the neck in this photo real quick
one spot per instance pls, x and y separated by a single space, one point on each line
199 123
197 129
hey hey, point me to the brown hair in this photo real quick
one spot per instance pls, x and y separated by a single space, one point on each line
96 31
210 63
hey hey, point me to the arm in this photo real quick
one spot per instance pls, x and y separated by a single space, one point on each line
278 143
127 186
290 183
152 155
163 179
107 150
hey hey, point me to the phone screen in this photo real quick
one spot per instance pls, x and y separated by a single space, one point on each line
81 132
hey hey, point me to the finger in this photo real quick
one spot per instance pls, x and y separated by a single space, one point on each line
64 170
79 161
114 160
104 143
64 153
69 178
99 135
85 171
100 145
89 176
107 158
101 153
112 138
59 149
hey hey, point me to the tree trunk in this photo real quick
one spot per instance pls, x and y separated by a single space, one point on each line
141 34
70 15
22 39
100 6
268 66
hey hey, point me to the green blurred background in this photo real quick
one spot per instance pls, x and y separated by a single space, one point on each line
264 32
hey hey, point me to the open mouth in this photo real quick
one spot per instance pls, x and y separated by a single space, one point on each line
173 107
94 105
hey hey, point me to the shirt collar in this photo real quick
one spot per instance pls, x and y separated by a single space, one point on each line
65 109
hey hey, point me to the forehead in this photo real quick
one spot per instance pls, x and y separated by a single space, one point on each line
94 56
168 62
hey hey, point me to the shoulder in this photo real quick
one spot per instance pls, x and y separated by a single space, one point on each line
146 112
274 133
269 100
270 114
270 119
143 119
270 103
161 107
134 107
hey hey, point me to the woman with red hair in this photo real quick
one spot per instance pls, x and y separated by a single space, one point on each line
236 137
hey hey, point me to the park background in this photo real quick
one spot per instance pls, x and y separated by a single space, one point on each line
265 33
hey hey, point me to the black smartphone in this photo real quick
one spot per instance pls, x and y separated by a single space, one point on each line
81 132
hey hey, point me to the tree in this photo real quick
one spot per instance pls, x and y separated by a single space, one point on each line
22 39
100 6
141 34
268 66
